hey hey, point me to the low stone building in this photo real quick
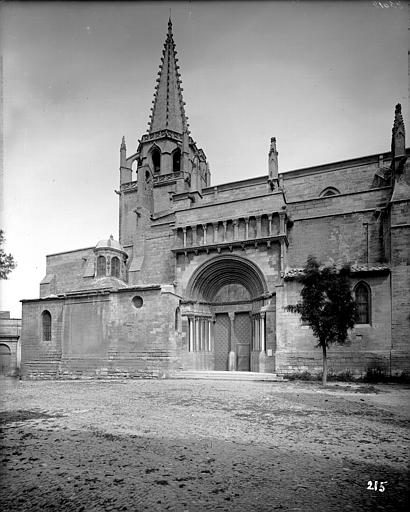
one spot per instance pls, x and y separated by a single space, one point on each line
200 275
9 345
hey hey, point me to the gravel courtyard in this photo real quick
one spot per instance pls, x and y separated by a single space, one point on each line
187 445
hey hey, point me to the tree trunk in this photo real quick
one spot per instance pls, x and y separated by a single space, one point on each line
324 374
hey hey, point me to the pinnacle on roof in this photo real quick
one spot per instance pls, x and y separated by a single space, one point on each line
273 144
168 105
398 119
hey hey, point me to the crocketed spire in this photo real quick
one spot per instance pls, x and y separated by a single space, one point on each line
168 106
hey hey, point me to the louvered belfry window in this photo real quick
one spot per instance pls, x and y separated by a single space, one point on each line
362 296
156 160
176 160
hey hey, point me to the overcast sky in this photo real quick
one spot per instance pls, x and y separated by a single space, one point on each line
323 77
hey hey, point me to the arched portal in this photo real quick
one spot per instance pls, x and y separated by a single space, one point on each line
225 324
224 270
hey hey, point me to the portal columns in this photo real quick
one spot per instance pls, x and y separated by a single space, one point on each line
232 354
262 331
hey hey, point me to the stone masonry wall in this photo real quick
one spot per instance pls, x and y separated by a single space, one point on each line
233 191
41 358
341 238
68 268
400 256
344 228
339 204
102 336
159 261
10 329
128 202
229 209
346 178
368 346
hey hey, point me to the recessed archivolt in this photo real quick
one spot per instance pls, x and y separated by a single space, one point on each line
220 271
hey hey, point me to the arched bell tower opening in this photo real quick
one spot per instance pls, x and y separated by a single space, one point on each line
225 315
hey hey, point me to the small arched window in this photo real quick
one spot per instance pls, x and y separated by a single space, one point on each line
101 266
156 160
176 160
46 325
115 267
362 299
329 191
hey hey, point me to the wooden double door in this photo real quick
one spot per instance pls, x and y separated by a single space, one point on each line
233 332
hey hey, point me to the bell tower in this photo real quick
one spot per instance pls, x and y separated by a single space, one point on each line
167 161
167 147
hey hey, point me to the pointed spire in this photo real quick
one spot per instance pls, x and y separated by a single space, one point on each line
168 106
123 146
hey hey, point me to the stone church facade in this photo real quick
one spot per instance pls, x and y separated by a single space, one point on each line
200 275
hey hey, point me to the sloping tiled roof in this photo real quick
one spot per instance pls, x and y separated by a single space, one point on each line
382 268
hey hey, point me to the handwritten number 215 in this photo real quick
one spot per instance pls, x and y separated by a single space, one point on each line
376 486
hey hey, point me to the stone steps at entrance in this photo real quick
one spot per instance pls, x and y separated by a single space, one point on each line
221 375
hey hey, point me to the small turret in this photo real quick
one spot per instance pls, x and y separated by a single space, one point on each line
125 172
398 144
208 175
399 169
123 150
196 181
273 164
185 152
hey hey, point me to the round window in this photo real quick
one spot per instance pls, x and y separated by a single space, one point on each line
137 302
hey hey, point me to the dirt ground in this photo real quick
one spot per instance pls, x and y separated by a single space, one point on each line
185 445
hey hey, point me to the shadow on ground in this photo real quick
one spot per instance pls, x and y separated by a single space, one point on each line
68 470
